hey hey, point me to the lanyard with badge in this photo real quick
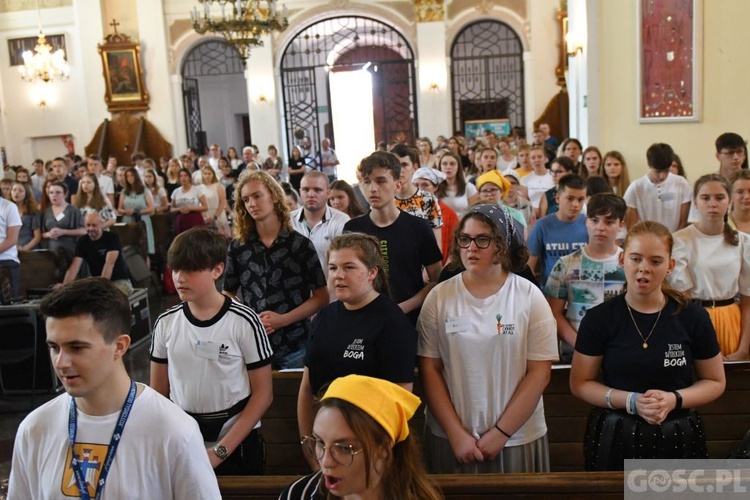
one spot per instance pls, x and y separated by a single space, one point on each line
114 442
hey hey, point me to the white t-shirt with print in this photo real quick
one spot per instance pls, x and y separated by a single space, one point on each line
484 345
161 453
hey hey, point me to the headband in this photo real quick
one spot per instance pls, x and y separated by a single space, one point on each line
433 175
510 228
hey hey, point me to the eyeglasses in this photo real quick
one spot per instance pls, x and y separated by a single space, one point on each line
734 152
490 191
343 454
480 241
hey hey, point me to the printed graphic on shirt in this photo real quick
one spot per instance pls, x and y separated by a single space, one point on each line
674 356
91 459
422 205
504 328
584 283
355 350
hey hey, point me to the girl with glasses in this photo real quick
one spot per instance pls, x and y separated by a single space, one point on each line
361 441
486 320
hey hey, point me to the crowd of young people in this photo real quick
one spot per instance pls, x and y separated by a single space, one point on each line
633 286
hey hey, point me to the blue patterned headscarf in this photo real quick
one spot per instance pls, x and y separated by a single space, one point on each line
510 228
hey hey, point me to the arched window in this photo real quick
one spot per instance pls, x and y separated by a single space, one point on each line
345 44
487 74
209 62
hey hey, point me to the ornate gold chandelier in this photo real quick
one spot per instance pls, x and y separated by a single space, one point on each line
241 22
43 64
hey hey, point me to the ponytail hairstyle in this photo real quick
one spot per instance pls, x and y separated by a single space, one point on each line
730 235
367 248
660 231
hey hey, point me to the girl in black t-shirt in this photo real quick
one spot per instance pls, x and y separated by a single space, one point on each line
646 344
363 332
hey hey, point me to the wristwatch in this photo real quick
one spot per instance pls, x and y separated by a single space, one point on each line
678 403
221 451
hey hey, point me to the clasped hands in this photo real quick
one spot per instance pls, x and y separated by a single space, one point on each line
468 449
654 405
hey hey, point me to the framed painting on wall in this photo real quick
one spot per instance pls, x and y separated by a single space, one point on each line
123 75
669 61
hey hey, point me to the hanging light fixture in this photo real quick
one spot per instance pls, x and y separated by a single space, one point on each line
43 64
242 22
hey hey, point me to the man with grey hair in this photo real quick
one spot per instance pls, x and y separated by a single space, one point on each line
248 160
102 252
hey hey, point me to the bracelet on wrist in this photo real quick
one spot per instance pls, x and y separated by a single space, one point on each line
628 399
502 431
678 403
633 407
608 399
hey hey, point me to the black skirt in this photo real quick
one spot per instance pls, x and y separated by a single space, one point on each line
613 436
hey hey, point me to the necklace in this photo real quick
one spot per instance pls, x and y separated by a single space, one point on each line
645 340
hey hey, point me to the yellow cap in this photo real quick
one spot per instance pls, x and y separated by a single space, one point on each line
389 404
496 178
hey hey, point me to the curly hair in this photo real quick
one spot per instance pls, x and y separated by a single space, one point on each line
244 224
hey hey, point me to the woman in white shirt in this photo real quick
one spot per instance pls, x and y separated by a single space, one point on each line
454 191
708 255
486 320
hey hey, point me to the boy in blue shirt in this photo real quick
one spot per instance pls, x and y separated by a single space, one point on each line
560 233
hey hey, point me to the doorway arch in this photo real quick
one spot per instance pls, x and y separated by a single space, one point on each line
344 44
487 74
215 96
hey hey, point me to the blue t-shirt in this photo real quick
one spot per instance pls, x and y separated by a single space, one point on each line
552 238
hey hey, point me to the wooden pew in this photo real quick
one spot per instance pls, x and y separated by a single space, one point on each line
726 421
582 485
39 269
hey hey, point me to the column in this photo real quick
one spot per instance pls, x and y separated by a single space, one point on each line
88 19
180 143
155 62
264 102
433 92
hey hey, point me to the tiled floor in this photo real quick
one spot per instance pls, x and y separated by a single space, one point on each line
13 409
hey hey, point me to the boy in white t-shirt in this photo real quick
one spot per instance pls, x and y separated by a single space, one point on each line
212 356
590 275
128 441
659 195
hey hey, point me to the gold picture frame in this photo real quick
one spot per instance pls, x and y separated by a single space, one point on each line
123 74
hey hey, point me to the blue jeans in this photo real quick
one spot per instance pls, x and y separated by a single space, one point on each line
292 360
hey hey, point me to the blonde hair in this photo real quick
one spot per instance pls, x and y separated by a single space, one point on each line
244 224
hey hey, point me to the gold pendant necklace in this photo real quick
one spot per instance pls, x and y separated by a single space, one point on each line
645 340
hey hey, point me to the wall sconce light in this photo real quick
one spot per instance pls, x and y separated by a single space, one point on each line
574 46
262 98
41 103
434 86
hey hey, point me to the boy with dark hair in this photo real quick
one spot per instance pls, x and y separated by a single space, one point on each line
212 356
659 195
70 444
560 233
590 275
411 199
731 151
406 242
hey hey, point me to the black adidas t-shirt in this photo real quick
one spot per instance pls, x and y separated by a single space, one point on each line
377 341
667 364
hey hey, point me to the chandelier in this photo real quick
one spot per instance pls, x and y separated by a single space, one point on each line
242 22
43 64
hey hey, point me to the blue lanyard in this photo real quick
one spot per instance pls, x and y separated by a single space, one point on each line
114 442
